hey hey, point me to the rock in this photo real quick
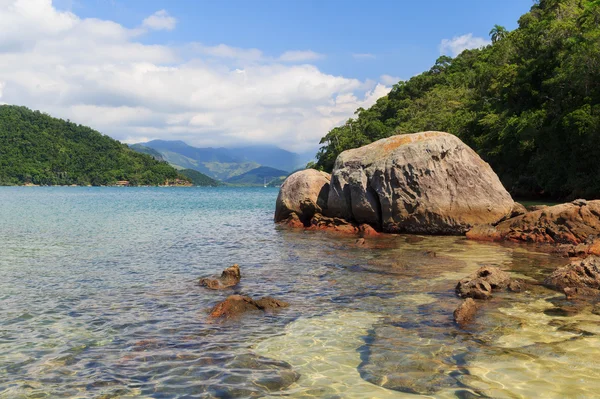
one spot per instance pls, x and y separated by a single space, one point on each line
428 182
533 208
303 193
465 312
477 288
337 225
229 278
236 305
480 284
580 278
515 286
270 303
365 230
518 210
572 223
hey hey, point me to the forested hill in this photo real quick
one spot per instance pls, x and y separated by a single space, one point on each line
36 148
529 103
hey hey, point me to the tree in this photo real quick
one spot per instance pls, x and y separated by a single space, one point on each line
497 33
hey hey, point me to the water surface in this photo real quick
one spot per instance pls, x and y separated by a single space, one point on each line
98 299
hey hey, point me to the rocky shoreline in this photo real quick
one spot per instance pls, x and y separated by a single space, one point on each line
433 183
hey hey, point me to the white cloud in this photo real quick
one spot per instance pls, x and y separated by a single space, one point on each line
160 20
300 56
364 56
96 73
389 80
458 44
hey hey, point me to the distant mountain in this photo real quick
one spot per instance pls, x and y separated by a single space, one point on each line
272 156
224 163
36 148
200 179
258 177
147 150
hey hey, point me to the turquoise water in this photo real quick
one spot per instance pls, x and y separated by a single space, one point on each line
98 299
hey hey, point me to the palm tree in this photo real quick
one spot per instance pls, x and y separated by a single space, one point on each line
498 33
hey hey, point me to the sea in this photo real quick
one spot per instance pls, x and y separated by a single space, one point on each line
99 298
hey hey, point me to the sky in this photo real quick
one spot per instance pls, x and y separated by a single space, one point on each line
227 73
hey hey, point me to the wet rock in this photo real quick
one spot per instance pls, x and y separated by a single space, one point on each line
303 193
229 278
516 286
336 225
270 303
428 182
365 230
474 288
480 284
465 312
237 305
580 278
573 223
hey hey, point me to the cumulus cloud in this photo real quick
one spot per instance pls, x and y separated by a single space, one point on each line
96 72
160 20
300 56
458 44
389 80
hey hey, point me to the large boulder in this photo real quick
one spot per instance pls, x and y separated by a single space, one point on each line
428 182
573 223
303 194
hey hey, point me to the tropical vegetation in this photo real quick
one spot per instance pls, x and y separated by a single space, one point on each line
38 149
528 103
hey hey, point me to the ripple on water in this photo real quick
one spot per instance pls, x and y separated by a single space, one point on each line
99 299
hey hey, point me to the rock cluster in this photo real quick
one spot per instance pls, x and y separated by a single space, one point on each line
229 278
573 223
480 285
428 182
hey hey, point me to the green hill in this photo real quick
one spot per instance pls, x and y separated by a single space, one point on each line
200 179
147 150
529 103
258 177
36 148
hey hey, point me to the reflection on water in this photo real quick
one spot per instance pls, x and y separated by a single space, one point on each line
98 299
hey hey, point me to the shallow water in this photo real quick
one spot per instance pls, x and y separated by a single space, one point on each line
98 299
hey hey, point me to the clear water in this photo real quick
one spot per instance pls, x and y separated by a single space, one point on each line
98 299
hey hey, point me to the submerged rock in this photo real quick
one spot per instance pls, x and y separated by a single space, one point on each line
304 194
580 278
428 182
574 223
236 305
465 312
229 278
480 284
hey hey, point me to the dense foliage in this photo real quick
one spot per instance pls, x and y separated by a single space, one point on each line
529 103
36 148
199 179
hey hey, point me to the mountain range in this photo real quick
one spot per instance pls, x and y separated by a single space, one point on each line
250 165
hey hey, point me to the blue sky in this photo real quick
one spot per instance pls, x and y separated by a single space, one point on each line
402 38
227 73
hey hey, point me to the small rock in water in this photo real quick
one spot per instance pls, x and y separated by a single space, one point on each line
465 312
580 278
229 278
477 288
481 284
236 305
